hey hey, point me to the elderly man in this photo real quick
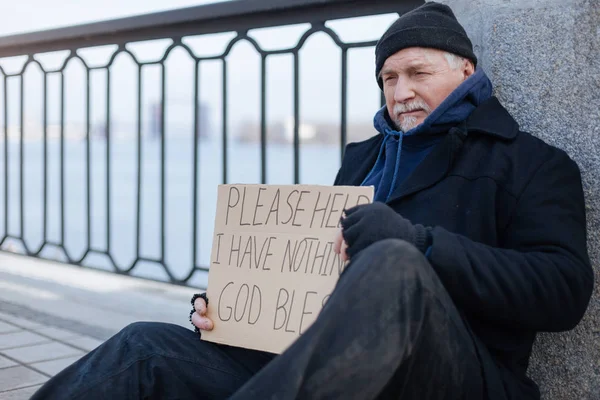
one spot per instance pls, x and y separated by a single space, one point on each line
476 241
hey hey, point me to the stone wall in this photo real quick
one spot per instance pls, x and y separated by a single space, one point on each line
543 57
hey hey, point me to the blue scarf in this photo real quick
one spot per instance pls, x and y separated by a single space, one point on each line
401 152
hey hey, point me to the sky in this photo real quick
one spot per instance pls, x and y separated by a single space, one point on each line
320 65
34 15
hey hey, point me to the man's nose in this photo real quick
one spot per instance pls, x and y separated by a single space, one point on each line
404 91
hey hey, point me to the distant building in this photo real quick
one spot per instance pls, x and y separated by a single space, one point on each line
180 119
283 132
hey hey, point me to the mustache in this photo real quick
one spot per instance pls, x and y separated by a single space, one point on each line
414 105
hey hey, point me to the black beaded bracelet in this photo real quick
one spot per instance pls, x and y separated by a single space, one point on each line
195 327
197 295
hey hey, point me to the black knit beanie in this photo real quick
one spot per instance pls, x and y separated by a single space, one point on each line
431 25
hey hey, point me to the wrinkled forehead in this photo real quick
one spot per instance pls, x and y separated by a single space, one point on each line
414 57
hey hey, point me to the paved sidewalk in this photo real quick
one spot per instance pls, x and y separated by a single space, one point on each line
31 352
53 314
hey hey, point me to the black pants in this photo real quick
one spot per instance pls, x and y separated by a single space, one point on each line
389 330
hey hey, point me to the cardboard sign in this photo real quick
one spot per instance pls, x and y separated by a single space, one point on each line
272 264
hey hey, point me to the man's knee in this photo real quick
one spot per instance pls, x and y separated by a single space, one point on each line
387 258
138 328
390 267
145 332
395 247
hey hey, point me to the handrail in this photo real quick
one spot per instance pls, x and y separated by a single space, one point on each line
240 16
236 16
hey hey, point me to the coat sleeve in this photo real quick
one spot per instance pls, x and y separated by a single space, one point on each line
541 279
338 178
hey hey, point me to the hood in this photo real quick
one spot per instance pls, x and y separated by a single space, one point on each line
421 139
455 108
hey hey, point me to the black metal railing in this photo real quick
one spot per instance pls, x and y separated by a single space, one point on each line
236 16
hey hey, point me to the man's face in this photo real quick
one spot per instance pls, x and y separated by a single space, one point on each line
415 81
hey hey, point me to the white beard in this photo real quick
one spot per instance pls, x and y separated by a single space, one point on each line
408 122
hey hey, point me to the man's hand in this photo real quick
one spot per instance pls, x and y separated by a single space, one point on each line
198 317
366 224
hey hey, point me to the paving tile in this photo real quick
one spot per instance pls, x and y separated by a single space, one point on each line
5 362
56 333
20 322
19 377
85 342
55 366
21 338
20 394
7 328
42 352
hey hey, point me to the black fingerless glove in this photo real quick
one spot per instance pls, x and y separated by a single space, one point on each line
366 224
194 298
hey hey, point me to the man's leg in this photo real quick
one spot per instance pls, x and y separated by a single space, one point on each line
389 330
155 361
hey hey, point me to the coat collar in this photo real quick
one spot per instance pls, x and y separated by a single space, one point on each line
493 119
435 166
490 118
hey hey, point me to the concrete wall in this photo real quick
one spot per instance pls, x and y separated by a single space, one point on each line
544 60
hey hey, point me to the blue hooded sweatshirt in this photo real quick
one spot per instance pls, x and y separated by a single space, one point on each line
401 152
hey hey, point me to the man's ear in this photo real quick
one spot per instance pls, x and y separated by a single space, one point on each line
468 69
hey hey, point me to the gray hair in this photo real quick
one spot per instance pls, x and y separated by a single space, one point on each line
454 61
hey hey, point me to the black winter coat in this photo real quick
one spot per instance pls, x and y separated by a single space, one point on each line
509 234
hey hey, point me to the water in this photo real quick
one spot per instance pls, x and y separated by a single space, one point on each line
318 165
